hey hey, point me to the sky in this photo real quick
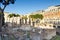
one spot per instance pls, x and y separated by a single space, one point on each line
29 6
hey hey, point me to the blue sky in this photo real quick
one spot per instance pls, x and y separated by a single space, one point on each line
28 6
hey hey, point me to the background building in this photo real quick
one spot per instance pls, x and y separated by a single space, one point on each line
52 14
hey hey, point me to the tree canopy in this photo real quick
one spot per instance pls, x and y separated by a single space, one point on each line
4 3
7 2
36 16
13 15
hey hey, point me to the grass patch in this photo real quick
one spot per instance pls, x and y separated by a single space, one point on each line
57 37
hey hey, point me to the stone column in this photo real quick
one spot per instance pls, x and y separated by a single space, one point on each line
29 22
20 22
25 21
33 24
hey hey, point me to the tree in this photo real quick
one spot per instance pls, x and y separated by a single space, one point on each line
32 17
4 3
40 16
17 15
13 15
36 16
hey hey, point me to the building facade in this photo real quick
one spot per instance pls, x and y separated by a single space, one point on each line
52 15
